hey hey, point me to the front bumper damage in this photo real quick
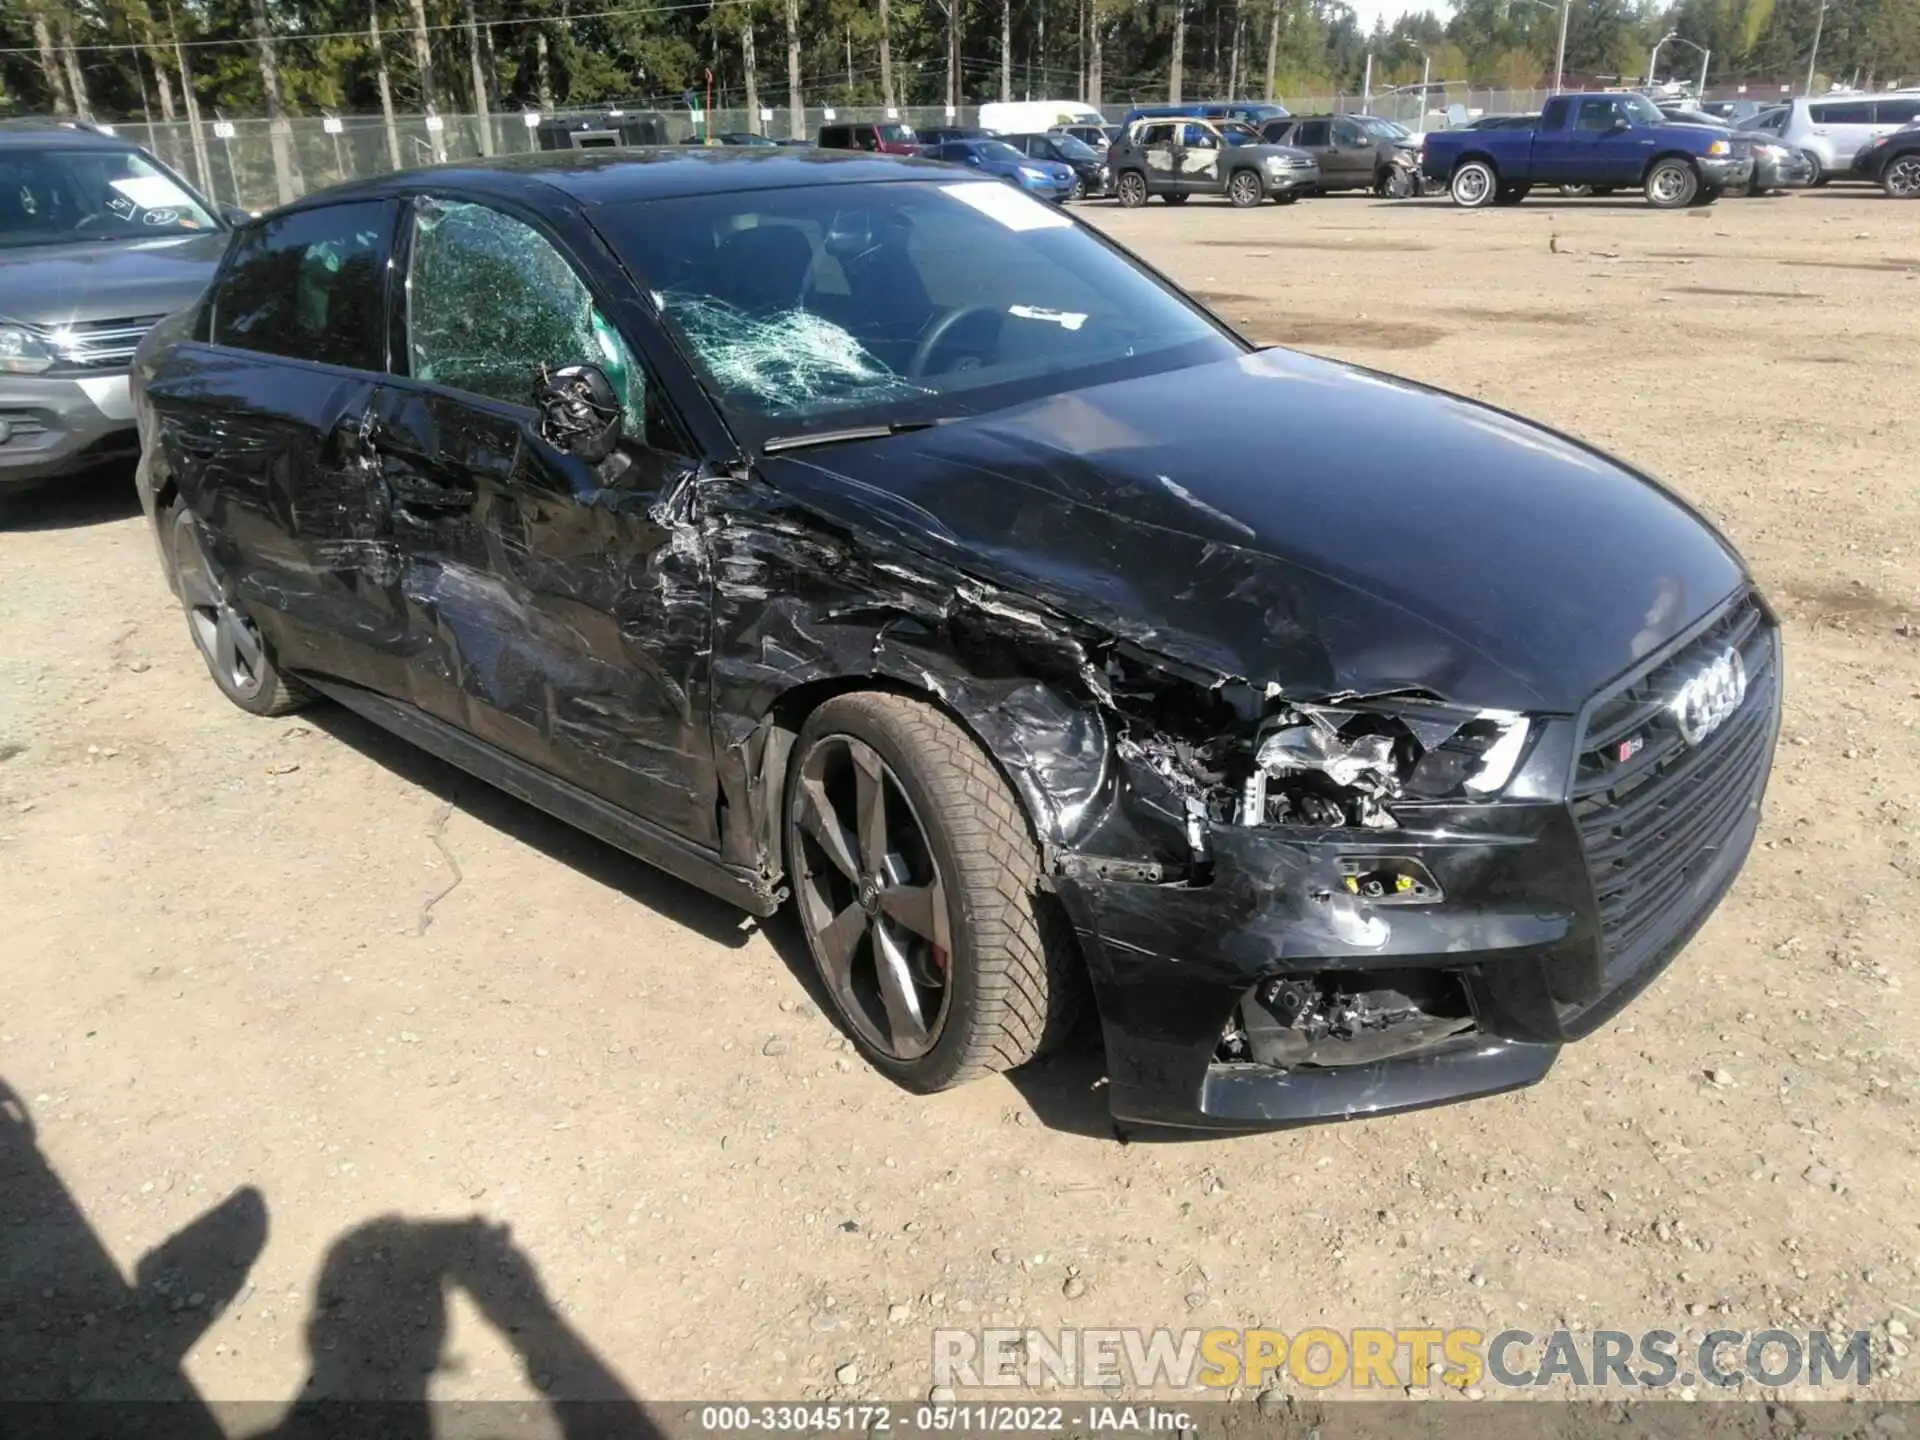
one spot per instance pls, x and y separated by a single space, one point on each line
1299 984
1316 951
1726 172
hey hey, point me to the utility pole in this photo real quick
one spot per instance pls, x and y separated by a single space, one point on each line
1819 24
747 66
1006 51
1560 58
423 59
1179 51
1366 88
386 85
1426 75
886 59
190 104
286 170
480 113
796 103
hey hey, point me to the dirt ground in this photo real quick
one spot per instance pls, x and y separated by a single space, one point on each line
295 956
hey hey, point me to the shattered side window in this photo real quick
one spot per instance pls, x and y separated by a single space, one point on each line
491 305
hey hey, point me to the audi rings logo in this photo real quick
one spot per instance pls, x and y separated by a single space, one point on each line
1707 700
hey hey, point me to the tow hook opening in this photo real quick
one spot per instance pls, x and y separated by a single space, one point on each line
1332 1018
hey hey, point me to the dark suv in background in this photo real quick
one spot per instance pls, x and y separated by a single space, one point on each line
1176 158
98 241
1354 152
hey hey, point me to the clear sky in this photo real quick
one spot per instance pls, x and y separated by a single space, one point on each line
1392 10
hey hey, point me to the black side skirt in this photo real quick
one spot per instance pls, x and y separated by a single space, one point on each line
620 828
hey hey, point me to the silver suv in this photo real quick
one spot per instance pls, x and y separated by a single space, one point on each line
98 240
1830 131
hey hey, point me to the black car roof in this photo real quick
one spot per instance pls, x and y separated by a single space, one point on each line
614 176
16 135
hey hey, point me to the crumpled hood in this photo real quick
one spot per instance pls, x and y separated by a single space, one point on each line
1292 520
106 280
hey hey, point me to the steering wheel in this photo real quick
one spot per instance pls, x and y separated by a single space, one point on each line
930 342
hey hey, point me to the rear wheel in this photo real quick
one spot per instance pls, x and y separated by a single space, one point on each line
918 890
1132 189
1901 178
1474 185
1814 165
1672 184
1244 189
236 654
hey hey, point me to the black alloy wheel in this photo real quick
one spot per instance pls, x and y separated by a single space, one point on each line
917 885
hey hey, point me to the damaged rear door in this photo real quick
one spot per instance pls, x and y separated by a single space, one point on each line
263 426
549 613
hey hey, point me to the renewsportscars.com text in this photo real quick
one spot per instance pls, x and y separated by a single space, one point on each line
1364 1358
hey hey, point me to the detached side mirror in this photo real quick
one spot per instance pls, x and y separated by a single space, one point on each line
580 414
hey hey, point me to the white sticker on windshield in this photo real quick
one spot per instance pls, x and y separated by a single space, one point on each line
1012 208
1065 319
152 192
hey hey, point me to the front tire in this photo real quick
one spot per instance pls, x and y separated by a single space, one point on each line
237 655
917 884
1672 184
1244 190
1474 185
1901 178
1132 189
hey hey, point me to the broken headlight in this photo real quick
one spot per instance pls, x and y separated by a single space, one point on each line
1329 766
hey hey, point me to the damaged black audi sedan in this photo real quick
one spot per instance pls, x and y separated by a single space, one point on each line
860 531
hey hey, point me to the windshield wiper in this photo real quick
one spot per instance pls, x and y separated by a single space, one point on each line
842 437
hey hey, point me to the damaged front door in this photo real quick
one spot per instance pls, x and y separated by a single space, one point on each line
550 614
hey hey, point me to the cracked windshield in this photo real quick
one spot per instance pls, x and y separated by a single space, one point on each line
897 303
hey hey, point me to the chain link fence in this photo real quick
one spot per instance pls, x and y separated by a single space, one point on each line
256 163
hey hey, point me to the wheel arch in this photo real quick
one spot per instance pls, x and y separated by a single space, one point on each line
1468 156
998 721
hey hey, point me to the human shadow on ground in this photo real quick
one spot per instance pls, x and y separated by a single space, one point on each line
84 1352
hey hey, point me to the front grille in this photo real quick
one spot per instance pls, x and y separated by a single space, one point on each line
101 344
1654 811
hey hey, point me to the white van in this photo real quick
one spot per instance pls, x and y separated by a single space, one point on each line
1033 117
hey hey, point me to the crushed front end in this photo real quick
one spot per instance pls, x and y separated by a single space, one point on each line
1376 903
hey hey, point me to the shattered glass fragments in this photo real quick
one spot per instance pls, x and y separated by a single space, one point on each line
790 362
491 306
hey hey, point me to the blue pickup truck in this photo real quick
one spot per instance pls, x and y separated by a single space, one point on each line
1613 141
